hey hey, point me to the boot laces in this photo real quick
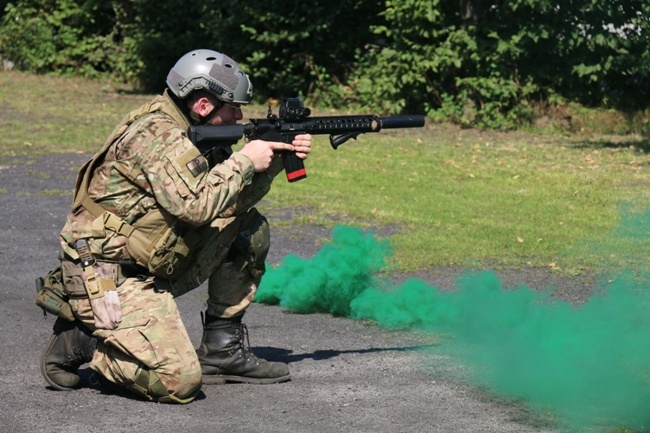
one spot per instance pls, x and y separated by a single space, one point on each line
245 346
77 358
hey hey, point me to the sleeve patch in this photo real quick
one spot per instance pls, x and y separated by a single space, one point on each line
191 167
198 165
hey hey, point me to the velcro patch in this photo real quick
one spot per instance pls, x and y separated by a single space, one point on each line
198 165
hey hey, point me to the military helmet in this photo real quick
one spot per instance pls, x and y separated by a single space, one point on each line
211 71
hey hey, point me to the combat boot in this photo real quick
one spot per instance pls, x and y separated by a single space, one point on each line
225 357
70 346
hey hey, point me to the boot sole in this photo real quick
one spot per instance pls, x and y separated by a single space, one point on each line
47 378
223 379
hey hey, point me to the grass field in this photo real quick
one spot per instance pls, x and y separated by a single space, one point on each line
443 195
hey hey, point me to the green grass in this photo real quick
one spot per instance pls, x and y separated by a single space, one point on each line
462 197
43 114
444 195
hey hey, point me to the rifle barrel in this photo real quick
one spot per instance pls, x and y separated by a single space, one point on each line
414 121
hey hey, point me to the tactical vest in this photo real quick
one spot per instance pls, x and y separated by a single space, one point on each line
155 241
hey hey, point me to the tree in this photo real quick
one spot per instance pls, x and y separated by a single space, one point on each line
476 62
484 62
58 35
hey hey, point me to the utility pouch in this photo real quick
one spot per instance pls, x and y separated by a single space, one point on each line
158 244
50 296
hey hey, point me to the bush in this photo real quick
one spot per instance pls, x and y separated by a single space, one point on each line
485 67
65 36
476 62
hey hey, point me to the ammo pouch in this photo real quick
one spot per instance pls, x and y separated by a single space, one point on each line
50 295
158 244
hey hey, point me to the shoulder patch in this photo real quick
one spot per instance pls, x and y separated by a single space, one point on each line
198 165
192 162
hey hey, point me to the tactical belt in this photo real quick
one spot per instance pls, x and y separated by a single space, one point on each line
123 269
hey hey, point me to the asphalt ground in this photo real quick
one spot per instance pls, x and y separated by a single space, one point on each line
347 376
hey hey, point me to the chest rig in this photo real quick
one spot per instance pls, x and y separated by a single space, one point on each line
155 241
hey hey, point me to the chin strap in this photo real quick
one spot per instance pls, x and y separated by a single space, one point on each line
197 119
194 117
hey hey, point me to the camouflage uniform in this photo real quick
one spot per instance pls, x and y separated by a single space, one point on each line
148 166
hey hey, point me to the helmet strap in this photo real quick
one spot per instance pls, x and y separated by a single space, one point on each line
203 120
195 117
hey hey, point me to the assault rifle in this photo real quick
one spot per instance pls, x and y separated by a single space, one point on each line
215 142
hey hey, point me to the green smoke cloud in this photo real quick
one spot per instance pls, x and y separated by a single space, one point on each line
589 365
338 273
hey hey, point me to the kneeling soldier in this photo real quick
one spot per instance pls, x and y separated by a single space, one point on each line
152 219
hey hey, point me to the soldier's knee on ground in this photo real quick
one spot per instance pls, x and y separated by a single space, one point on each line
148 385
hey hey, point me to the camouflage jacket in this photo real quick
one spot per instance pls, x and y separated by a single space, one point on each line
146 166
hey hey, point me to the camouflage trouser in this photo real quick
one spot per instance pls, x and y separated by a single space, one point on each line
232 262
152 342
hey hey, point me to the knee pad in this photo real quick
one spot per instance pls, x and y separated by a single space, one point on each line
147 384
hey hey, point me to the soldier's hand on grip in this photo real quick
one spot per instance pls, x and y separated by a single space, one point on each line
262 152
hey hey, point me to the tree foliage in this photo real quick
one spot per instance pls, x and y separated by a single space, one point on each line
292 49
61 35
485 62
476 62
